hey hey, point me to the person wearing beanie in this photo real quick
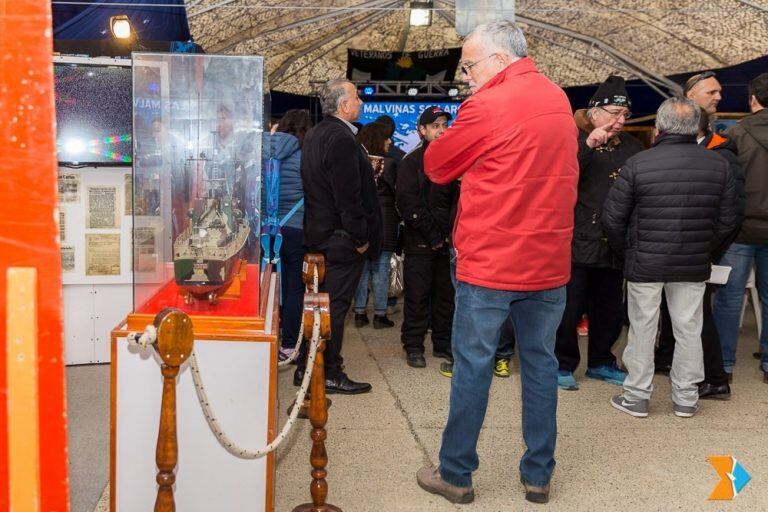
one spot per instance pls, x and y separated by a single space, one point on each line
596 281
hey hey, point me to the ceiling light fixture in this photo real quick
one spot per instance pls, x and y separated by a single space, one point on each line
421 14
120 26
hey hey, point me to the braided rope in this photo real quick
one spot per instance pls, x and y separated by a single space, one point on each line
222 437
295 354
149 336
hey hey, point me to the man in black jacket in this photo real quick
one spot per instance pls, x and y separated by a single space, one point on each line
342 217
426 210
715 384
751 245
670 208
596 286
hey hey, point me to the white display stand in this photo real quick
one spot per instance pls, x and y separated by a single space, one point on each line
240 380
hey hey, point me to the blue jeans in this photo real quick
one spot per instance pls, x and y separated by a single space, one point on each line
506 338
729 299
479 316
378 271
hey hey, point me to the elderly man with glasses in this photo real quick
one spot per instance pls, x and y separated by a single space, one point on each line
596 286
513 144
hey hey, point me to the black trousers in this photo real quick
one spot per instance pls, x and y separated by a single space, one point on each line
599 293
292 257
342 274
710 342
429 296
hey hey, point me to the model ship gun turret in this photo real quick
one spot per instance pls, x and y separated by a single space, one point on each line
207 253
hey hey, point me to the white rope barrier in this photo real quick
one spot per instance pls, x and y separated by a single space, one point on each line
149 336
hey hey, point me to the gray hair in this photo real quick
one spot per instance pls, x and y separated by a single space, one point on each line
503 36
331 95
678 116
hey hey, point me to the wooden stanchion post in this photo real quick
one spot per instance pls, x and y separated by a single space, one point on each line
318 410
174 344
314 263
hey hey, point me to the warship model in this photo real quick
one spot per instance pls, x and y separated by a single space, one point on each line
208 251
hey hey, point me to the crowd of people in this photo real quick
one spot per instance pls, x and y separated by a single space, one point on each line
515 222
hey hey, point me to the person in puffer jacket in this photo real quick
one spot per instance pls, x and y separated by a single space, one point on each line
285 145
667 213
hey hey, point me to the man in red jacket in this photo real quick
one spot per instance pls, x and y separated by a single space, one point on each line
513 144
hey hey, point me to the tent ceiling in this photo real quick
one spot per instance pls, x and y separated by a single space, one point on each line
574 43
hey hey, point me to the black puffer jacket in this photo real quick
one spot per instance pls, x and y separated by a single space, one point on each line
670 208
385 186
598 169
428 209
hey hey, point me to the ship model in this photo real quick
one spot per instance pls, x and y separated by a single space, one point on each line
207 253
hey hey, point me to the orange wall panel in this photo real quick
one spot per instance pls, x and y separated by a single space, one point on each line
29 226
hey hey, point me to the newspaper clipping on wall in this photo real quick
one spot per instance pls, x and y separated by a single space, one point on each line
102 208
69 188
102 255
145 252
67 258
128 194
62 226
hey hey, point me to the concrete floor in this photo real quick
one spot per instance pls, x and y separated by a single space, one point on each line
606 460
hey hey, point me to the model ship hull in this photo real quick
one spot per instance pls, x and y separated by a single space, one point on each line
206 272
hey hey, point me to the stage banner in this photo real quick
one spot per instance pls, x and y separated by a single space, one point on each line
419 66
406 116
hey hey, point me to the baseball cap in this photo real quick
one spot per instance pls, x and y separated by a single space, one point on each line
431 114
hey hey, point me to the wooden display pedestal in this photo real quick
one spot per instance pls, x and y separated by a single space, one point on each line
237 358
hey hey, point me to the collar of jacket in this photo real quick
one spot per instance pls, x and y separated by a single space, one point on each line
519 67
334 119
585 125
673 138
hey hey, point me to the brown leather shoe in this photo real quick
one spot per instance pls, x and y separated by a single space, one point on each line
535 494
430 480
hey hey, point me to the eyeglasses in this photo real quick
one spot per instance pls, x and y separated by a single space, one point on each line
617 114
466 68
698 78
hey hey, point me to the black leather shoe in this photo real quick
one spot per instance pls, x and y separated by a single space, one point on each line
535 494
361 320
298 375
382 322
757 355
662 369
415 360
344 386
443 354
708 391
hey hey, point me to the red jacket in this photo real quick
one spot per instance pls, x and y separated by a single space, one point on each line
514 144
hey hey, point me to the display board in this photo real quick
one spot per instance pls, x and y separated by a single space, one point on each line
95 225
406 115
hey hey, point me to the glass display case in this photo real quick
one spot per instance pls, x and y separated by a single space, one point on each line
197 130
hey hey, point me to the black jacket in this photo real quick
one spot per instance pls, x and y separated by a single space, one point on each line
598 169
341 205
385 186
670 208
751 139
427 209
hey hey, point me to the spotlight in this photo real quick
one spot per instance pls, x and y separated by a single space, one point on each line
453 92
421 14
412 91
121 27
74 146
368 90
